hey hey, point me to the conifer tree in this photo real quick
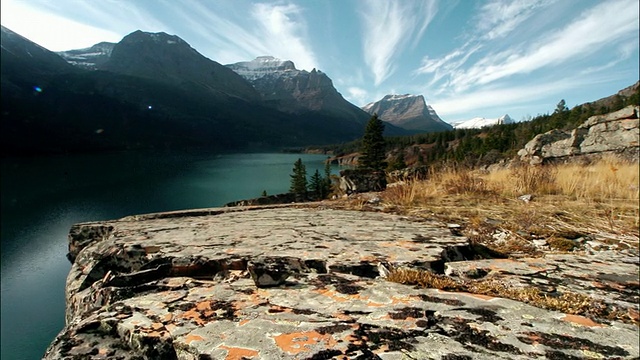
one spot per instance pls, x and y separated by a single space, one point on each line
299 178
373 146
327 179
316 185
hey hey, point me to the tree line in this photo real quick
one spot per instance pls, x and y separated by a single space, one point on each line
476 147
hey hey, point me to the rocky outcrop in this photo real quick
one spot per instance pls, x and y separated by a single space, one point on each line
309 283
361 180
613 133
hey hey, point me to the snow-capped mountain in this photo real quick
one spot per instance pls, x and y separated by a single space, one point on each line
480 122
89 58
407 111
262 66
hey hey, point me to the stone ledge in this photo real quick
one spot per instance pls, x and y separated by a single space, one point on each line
179 287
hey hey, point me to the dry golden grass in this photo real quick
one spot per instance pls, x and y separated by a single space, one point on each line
568 302
569 201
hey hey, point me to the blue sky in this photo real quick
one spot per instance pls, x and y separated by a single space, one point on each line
468 58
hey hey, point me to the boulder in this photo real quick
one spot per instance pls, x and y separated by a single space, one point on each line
616 132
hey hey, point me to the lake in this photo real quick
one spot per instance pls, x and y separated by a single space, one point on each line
42 198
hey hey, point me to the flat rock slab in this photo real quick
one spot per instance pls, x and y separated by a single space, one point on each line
303 283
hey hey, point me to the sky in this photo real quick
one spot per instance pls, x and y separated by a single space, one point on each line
468 58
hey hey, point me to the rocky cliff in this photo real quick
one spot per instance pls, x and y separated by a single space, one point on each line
407 111
286 282
614 133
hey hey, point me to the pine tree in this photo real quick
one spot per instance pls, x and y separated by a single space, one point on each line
316 185
373 146
299 179
327 179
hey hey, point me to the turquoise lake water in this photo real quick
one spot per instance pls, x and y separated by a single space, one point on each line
42 198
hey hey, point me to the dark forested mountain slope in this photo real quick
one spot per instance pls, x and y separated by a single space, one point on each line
147 91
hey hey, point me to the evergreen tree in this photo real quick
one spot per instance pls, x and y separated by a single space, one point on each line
317 185
373 146
327 179
299 178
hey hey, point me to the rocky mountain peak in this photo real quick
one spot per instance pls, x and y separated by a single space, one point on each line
159 38
407 111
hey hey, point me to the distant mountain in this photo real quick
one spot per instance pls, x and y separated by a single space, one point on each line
304 93
409 112
169 59
480 122
90 58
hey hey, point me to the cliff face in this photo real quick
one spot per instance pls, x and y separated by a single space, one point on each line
617 132
287 282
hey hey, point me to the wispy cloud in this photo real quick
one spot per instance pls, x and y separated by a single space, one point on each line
284 31
597 28
388 28
495 20
478 75
498 18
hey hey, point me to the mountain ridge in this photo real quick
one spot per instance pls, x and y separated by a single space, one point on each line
122 107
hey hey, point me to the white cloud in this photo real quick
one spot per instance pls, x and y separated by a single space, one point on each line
357 96
387 28
284 33
508 96
49 30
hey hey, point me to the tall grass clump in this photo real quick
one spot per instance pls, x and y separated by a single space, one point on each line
609 179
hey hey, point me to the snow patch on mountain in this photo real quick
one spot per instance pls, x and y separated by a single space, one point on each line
88 58
480 122
263 66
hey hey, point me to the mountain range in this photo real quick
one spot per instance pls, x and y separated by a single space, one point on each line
480 122
153 90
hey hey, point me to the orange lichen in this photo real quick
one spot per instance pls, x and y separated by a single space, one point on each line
580 320
236 353
295 343
193 315
192 337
